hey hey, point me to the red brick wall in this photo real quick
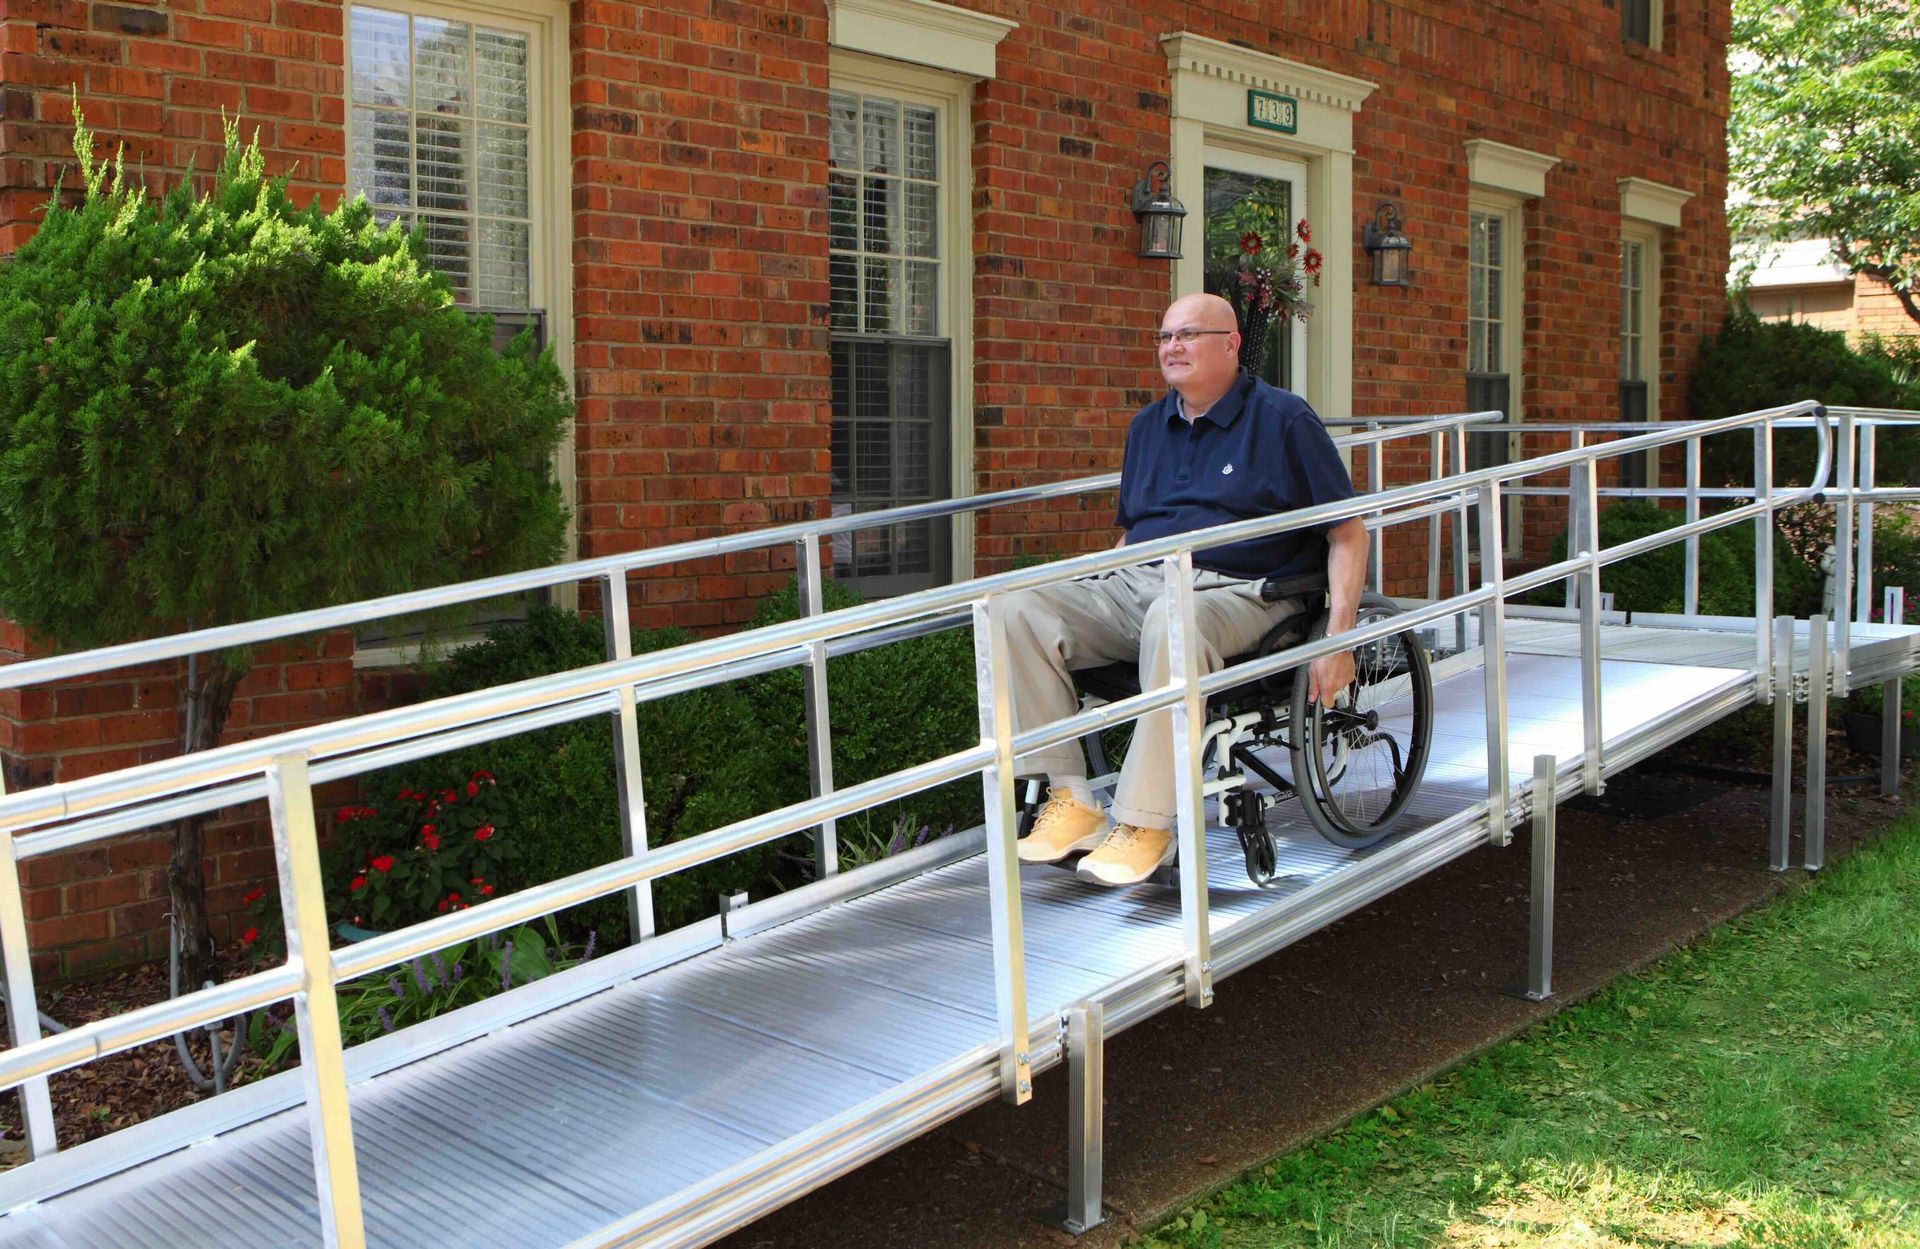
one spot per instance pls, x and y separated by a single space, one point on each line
1876 310
699 265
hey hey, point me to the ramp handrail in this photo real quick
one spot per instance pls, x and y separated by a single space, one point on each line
286 760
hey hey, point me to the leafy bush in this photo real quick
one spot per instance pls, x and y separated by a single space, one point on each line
1655 581
557 786
442 981
714 756
1753 364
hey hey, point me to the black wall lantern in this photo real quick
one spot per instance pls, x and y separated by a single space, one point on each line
1159 214
1387 245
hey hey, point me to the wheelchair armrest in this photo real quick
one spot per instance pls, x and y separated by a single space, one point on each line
1273 589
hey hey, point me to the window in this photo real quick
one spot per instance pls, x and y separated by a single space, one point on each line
1493 337
448 131
441 139
1640 22
892 356
1639 343
1251 194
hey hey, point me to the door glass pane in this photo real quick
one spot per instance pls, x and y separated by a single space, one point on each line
1245 211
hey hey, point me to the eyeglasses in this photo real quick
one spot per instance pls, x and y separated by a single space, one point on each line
1185 337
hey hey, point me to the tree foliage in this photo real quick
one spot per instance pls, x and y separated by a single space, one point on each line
1825 131
219 407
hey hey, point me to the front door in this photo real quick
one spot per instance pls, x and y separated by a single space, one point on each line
1253 201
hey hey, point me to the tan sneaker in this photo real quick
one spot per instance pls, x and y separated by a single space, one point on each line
1062 827
1129 855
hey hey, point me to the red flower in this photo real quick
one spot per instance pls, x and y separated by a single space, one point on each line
250 936
253 897
429 838
1250 243
358 883
478 880
382 863
453 897
486 891
473 787
1306 235
345 814
442 908
449 797
483 775
483 832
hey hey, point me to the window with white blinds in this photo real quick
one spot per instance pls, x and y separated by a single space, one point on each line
440 137
891 354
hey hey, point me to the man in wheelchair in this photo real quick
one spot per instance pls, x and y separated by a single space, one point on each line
1220 446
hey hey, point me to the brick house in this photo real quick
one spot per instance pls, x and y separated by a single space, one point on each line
811 254
1799 281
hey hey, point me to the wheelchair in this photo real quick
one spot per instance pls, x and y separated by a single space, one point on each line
1354 766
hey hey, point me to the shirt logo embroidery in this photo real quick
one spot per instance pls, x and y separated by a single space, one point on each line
1226 471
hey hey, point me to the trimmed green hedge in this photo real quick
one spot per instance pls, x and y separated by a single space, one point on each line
1655 582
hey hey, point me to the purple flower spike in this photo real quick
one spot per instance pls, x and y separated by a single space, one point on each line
386 1020
459 972
586 956
506 965
440 969
393 982
420 977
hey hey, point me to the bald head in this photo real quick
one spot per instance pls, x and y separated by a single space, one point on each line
1206 368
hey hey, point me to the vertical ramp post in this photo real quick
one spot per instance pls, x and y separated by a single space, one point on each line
1575 441
1086 1079
1890 741
1782 681
1863 578
1460 525
1493 675
23 1004
626 751
993 684
1546 785
1763 562
1585 501
1841 651
826 837
1189 720
1819 665
1377 540
1436 449
1690 593
323 1066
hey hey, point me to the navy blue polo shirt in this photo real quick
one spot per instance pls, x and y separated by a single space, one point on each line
1257 452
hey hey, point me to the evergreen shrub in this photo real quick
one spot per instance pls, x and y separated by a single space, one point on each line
1656 581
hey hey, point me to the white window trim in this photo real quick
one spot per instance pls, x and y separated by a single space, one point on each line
550 259
953 96
1210 81
1654 203
920 32
1650 341
1513 295
1503 167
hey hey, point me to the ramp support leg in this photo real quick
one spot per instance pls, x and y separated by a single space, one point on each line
1782 743
1086 1042
1817 665
1890 743
1546 784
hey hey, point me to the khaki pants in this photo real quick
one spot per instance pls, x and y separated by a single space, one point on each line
1098 620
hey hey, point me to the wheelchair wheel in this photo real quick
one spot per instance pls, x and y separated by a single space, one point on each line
1358 763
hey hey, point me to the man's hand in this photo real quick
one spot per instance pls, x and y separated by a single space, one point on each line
1329 675
1346 574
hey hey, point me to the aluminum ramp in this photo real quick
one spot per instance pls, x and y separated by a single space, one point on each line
710 1091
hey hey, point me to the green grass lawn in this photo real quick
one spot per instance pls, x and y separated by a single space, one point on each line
1761 1088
